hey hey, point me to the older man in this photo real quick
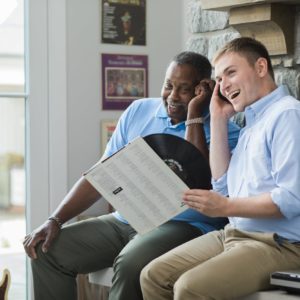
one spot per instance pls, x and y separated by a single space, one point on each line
59 254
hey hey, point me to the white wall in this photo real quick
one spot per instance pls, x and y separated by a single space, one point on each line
185 33
164 40
64 106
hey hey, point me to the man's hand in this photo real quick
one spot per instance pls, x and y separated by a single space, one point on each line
207 202
220 107
203 93
46 233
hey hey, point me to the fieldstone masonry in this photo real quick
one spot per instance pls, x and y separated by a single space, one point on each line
210 30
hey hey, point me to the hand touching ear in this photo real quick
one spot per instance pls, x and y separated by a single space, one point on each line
203 93
218 106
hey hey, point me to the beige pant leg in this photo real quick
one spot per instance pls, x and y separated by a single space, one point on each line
215 268
243 268
159 276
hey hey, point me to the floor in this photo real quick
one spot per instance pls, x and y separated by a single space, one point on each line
12 255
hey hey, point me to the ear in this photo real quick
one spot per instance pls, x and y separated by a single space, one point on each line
261 66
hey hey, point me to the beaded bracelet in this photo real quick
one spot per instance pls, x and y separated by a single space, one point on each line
57 220
199 120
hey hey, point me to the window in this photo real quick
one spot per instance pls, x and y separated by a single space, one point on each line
12 145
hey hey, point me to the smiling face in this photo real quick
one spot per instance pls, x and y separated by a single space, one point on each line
178 90
241 82
244 72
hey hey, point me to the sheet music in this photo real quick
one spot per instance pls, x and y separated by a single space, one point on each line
138 183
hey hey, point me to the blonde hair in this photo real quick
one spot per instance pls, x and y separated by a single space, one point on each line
248 47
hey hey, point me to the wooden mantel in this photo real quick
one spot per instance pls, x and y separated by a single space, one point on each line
270 21
228 4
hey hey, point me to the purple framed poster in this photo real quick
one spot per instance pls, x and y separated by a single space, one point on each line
124 79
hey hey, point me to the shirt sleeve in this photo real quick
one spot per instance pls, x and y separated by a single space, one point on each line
285 160
220 185
119 138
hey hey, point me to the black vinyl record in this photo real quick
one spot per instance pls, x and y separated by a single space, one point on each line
183 158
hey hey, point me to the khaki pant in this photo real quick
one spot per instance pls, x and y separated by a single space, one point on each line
224 264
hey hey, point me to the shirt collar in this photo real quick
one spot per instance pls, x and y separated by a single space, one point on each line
161 111
257 109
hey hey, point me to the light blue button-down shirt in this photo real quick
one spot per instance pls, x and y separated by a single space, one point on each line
149 116
267 159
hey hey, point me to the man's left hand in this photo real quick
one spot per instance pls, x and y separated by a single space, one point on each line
207 202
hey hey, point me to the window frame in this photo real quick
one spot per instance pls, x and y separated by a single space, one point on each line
46 111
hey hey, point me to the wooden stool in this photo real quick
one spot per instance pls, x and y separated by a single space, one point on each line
4 285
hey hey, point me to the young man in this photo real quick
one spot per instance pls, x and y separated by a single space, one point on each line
262 181
58 255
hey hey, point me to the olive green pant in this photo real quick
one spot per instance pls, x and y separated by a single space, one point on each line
98 243
225 264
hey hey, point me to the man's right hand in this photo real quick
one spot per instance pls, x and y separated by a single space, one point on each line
46 233
220 107
78 199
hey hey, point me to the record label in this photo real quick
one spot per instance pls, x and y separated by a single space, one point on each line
183 158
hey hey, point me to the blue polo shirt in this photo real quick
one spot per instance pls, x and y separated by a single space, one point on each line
149 116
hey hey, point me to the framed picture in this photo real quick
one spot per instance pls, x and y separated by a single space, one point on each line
107 129
124 79
124 22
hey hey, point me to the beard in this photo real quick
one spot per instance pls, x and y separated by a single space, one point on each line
176 110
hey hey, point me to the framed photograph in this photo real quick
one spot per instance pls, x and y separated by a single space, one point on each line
124 79
124 22
107 129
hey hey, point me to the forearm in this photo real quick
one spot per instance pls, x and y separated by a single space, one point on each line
219 153
80 197
214 204
195 134
260 206
198 106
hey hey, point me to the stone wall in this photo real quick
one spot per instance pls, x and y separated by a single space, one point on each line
210 30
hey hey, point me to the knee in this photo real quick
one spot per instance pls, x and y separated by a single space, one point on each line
40 255
144 277
182 288
126 264
40 262
44 259
189 286
150 274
